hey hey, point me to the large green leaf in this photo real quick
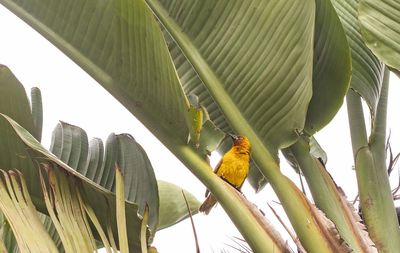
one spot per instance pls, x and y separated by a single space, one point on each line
331 75
70 144
243 61
330 78
367 71
173 207
332 67
380 28
193 84
120 44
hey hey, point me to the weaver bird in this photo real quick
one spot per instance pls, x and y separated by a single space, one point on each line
233 168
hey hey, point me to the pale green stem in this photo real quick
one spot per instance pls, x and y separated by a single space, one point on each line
373 182
377 140
356 120
327 197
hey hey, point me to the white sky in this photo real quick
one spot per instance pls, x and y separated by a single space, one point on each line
70 95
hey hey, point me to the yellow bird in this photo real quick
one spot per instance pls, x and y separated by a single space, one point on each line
233 168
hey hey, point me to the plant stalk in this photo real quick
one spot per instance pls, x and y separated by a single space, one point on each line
259 237
328 198
373 182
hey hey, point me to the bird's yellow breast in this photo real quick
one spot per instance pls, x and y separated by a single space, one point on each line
234 167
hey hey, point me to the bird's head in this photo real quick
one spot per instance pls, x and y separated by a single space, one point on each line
241 141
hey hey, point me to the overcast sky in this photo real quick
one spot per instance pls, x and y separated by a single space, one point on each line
70 95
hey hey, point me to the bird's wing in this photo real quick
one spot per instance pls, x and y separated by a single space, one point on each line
215 171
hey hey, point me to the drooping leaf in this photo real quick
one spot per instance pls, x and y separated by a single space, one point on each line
70 144
21 150
332 67
380 29
172 204
367 71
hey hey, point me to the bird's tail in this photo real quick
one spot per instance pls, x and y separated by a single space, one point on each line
208 204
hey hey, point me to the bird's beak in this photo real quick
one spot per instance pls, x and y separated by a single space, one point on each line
234 137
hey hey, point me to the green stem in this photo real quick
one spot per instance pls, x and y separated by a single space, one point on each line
356 120
327 197
378 133
252 230
373 182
